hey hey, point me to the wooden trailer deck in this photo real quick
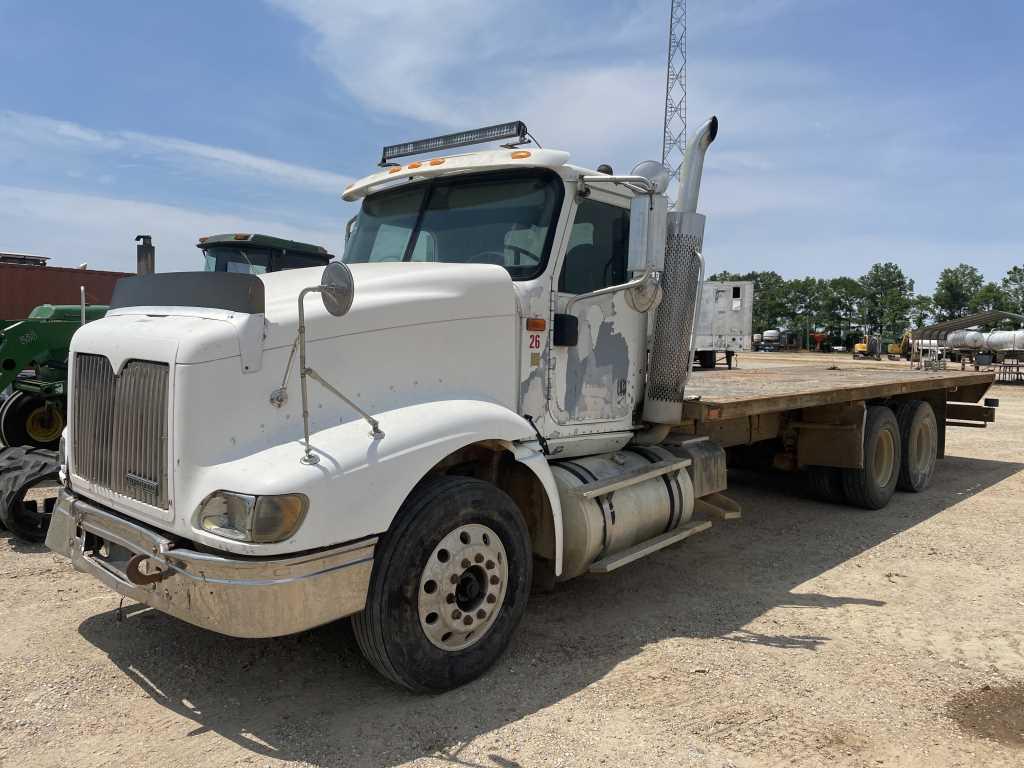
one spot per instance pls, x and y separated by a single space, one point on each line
723 394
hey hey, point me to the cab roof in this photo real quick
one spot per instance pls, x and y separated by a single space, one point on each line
240 239
449 165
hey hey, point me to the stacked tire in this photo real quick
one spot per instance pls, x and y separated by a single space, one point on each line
28 482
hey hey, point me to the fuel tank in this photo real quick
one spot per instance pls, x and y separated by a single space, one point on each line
598 527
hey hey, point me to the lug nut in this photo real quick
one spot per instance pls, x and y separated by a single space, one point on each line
454 579
479 558
492 599
481 613
494 579
450 598
467 619
456 614
489 565
466 563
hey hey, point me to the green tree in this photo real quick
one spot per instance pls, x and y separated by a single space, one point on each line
1013 287
887 298
955 289
922 310
990 296
840 306
803 305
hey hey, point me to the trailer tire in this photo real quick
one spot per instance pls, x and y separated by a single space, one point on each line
20 470
919 434
26 419
449 543
872 486
826 484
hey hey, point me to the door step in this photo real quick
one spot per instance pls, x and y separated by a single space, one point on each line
632 477
649 547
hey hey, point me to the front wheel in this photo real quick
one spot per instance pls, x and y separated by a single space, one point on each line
449 586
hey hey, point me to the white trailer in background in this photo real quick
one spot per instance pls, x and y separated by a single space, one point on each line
724 323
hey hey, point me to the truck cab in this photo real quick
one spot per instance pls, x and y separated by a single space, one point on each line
489 391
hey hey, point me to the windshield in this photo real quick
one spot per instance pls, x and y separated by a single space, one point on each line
504 218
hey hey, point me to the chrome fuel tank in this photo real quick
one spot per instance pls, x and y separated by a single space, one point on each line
596 528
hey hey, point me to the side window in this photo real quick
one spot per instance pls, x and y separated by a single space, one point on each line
598 246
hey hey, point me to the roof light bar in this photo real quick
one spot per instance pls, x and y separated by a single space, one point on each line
514 130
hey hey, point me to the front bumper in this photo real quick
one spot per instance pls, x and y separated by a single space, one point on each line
242 597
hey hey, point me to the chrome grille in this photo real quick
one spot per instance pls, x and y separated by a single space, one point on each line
120 427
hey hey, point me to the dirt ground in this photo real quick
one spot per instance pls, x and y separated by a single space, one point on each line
804 634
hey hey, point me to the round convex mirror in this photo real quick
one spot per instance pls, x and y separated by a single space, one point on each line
337 288
654 172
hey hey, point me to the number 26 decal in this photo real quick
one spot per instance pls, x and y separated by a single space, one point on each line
534 341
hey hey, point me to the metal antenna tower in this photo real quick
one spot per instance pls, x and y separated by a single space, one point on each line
673 144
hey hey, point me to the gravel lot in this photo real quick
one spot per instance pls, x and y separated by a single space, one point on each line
803 634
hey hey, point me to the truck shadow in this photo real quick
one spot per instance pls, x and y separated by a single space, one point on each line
311 697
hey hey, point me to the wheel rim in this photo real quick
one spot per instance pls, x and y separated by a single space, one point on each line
884 459
44 424
462 588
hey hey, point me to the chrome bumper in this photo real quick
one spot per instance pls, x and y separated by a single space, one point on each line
242 597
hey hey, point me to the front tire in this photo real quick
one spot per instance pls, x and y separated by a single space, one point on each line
873 486
449 586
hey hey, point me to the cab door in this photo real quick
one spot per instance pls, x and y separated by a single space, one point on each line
600 342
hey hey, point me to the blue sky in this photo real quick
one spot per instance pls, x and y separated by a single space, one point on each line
852 132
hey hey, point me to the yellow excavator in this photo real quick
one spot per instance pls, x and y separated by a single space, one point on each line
868 349
900 349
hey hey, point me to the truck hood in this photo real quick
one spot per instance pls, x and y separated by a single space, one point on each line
388 295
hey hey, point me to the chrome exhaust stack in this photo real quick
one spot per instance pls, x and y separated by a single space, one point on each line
681 278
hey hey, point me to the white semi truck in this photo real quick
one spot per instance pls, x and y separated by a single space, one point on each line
491 391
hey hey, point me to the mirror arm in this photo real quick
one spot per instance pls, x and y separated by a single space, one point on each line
636 282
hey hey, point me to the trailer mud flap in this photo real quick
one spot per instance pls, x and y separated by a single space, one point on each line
831 436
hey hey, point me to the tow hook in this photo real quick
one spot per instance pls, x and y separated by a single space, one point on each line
135 576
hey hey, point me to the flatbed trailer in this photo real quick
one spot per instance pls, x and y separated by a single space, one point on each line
818 412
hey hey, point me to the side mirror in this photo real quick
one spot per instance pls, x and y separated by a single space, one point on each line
337 288
648 216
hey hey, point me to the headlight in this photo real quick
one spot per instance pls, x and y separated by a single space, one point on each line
256 519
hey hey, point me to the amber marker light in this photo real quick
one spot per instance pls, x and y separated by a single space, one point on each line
520 154
536 324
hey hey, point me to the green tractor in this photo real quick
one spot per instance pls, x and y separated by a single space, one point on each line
34 363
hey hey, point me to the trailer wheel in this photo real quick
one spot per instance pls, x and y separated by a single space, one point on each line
826 484
919 434
873 486
449 586
28 491
26 419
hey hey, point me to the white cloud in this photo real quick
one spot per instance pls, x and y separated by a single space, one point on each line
75 228
19 130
